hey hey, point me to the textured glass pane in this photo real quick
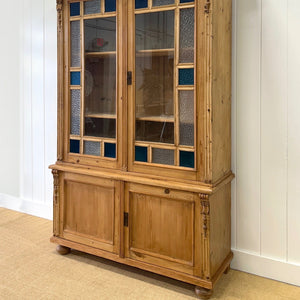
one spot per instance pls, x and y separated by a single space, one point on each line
92 7
75 44
155 30
110 5
92 148
75 112
110 150
141 4
186 117
100 85
141 154
187 159
75 78
163 156
75 9
100 34
186 76
100 127
74 146
185 1
186 43
162 2
161 132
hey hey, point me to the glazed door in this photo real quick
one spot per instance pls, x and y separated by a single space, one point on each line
161 62
93 70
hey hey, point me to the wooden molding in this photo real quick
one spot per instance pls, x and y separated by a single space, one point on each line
205 216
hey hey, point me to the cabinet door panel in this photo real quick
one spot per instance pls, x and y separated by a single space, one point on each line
161 227
90 211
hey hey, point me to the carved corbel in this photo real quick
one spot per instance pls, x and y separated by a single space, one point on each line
59 8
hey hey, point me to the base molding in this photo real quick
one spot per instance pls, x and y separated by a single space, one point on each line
266 267
26 206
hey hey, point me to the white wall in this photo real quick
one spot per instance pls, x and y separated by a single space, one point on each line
266 138
10 100
266 129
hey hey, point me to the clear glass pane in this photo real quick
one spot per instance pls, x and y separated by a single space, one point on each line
155 77
75 78
186 42
100 127
155 30
75 44
186 1
92 148
163 156
75 112
100 85
92 7
186 117
100 34
162 2
160 132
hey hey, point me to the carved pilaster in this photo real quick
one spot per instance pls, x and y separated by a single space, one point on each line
59 8
205 213
55 202
205 216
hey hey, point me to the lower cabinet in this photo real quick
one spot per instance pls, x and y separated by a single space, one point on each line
89 211
181 234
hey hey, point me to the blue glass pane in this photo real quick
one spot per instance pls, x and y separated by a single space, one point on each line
141 4
74 146
185 1
110 5
186 76
141 154
110 150
75 9
187 159
75 78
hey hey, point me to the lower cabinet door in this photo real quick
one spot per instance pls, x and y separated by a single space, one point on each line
89 211
162 227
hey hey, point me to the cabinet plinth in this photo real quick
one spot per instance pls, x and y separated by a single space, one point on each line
144 101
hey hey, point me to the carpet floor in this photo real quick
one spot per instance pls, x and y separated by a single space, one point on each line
30 268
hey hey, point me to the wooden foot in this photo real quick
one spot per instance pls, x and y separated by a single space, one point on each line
227 270
203 293
63 250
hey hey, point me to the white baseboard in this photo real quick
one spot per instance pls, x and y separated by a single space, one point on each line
26 206
266 267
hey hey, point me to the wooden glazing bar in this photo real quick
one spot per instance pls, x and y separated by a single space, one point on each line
74 137
97 54
176 60
82 78
156 9
102 8
75 87
149 149
150 3
100 15
75 69
155 145
185 88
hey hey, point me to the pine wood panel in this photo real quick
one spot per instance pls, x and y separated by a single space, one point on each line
220 227
221 88
161 228
89 211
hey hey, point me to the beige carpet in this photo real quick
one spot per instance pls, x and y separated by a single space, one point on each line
31 269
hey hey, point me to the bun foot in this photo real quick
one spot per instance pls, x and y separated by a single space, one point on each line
203 293
63 250
227 270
